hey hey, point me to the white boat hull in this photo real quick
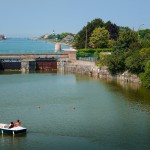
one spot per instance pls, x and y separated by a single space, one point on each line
15 130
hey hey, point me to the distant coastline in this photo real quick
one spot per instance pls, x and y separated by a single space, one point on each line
54 42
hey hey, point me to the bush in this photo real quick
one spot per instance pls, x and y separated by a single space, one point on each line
145 77
134 63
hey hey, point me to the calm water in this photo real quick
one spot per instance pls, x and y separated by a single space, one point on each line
72 112
25 45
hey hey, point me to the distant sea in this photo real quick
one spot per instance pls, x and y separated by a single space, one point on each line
26 45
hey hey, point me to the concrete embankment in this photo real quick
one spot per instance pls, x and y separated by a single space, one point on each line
89 68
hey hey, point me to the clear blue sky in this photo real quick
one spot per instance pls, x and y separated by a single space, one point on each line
37 17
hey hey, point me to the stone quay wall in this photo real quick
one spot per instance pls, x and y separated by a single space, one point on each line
89 68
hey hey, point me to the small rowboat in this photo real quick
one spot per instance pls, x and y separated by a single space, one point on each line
15 130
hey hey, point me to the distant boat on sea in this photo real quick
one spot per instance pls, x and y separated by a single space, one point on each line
3 37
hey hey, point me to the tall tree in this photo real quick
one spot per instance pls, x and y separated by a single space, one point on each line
99 38
113 30
83 36
128 39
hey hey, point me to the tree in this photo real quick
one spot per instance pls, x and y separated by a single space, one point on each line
64 34
134 63
144 34
145 43
116 62
113 30
128 39
145 53
145 77
111 43
103 61
86 32
99 38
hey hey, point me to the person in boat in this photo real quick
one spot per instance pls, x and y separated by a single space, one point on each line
11 125
17 123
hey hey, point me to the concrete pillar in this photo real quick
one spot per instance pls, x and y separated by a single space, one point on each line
57 47
24 66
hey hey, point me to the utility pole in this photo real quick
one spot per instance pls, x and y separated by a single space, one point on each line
86 39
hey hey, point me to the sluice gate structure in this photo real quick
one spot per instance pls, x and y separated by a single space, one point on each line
32 62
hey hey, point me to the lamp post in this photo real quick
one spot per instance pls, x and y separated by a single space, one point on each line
139 28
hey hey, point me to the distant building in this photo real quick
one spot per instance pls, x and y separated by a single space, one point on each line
46 36
68 39
53 32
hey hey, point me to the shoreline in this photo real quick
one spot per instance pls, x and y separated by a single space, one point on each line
90 69
51 41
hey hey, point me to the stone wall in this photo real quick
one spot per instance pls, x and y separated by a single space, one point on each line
71 54
89 68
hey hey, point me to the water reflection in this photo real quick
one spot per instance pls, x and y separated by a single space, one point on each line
12 141
137 96
27 72
134 93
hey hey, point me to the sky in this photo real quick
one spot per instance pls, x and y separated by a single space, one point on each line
33 18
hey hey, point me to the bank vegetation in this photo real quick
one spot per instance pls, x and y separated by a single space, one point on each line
130 49
119 48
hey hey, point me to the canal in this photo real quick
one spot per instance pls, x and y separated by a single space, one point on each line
73 112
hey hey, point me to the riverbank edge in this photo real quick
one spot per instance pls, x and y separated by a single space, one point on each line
53 42
90 69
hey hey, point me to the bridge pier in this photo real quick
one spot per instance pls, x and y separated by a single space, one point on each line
28 65
24 66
